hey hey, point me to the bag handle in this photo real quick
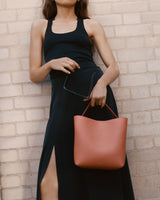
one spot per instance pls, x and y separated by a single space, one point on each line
105 105
90 102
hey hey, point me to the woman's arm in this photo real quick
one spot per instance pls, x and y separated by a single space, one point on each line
37 72
99 93
104 50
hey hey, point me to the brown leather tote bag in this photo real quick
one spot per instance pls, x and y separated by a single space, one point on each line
100 144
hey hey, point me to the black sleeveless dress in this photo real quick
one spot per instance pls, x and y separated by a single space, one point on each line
77 183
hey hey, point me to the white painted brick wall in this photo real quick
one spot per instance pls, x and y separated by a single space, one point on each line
133 31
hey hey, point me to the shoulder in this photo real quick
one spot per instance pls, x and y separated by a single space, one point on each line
93 28
93 24
38 23
38 26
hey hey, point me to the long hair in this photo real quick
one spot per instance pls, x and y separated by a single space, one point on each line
49 9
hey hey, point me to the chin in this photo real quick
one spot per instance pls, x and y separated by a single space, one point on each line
66 2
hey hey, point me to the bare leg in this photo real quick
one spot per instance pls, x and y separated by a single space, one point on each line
49 183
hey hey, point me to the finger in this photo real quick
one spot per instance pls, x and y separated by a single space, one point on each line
93 102
86 99
77 65
99 102
65 70
103 102
73 63
69 66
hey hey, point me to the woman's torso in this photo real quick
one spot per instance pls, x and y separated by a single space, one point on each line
75 44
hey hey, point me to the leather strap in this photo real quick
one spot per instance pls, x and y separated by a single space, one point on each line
105 105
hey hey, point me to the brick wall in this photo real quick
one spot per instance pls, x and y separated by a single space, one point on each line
133 31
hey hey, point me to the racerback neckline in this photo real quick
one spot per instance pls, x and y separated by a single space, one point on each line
77 25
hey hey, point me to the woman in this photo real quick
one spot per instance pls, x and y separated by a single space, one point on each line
67 37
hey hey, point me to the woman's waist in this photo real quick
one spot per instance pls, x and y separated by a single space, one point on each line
79 82
86 66
80 79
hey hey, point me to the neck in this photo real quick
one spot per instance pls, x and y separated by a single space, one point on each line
65 13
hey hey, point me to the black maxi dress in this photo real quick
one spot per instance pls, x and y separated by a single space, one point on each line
76 183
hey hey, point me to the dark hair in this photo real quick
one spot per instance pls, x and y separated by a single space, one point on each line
49 9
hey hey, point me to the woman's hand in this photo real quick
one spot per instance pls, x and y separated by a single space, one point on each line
98 94
63 63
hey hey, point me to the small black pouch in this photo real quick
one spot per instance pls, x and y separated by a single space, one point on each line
80 82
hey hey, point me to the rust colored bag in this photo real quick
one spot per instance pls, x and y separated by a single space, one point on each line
100 144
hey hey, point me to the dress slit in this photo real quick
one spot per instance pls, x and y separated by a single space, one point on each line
44 161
